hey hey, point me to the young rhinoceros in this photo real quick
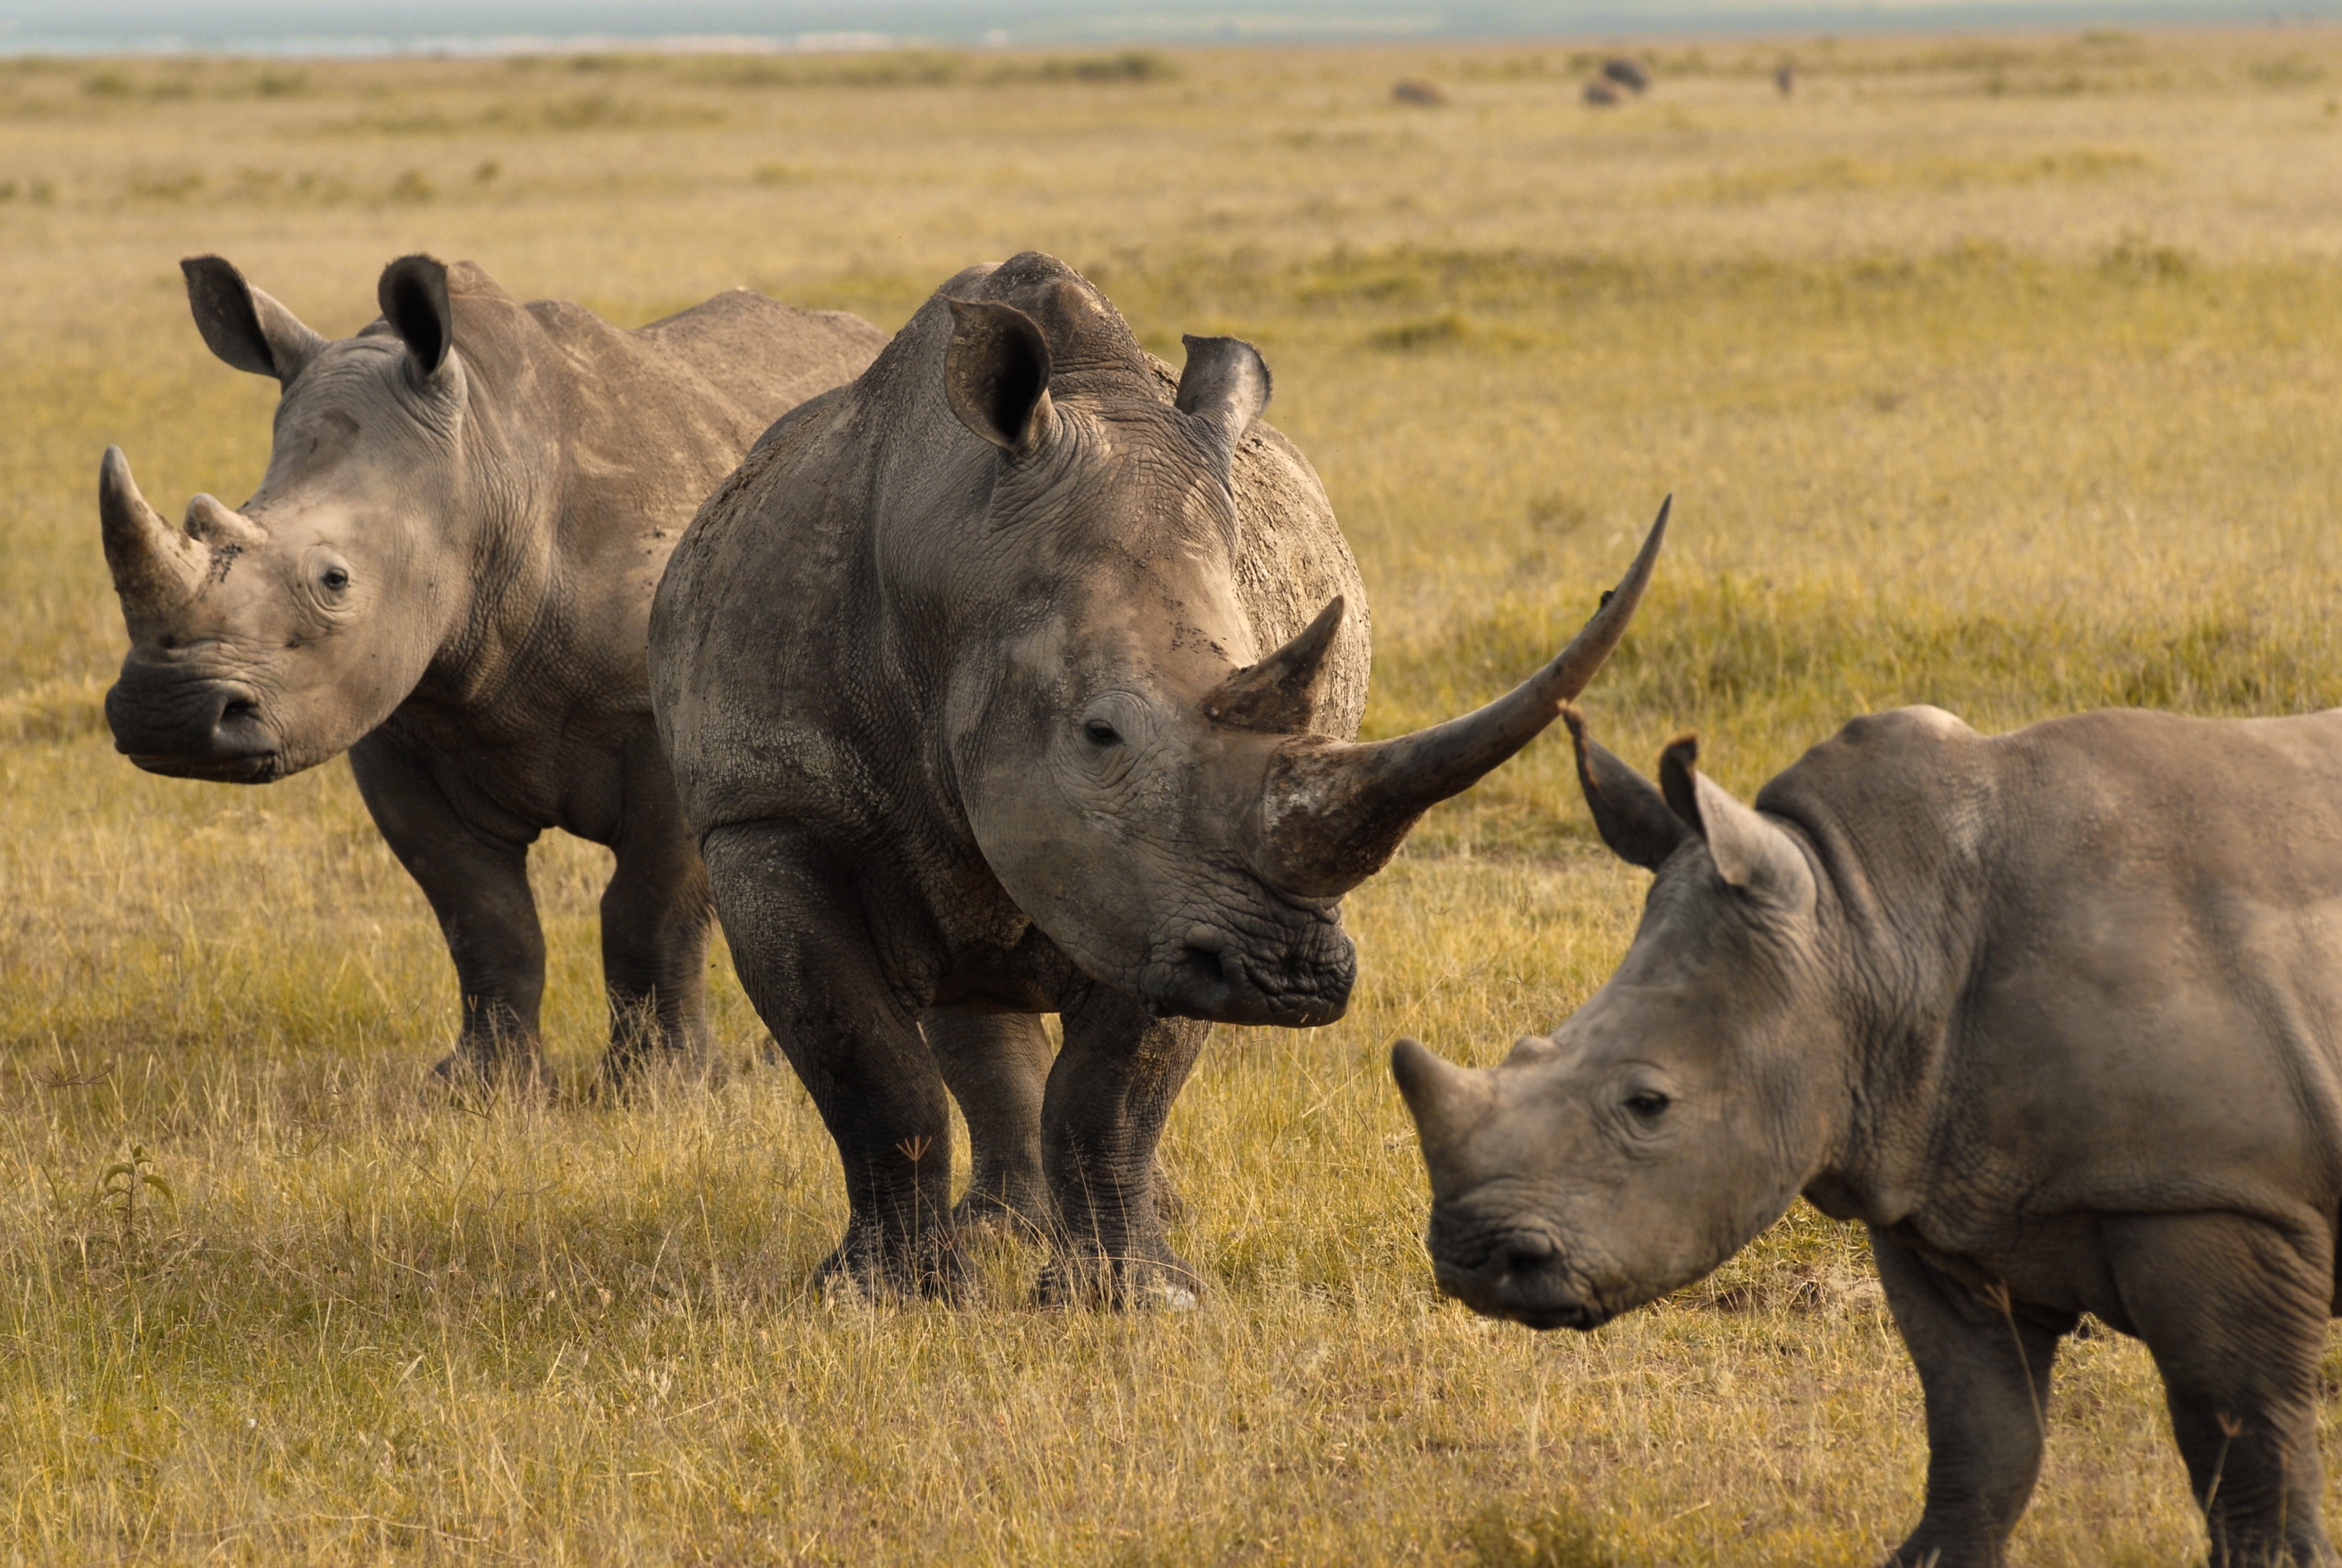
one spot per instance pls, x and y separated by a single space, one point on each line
1015 678
446 571
2057 1014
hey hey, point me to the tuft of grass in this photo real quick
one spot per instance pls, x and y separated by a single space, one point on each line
1448 327
1123 66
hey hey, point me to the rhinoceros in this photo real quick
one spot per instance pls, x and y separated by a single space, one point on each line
1018 677
446 571
2056 1014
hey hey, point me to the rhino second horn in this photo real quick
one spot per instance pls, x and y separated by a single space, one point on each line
1280 694
216 523
1332 814
1445 1100
156 567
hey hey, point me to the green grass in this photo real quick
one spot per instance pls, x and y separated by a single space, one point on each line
1992 373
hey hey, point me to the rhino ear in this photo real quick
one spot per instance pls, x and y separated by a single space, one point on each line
244 326
1224 385
1630 815
996 374
414 297
1751 851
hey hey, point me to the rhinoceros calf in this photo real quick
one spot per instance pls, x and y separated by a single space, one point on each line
446 571
1016 678
2057 1014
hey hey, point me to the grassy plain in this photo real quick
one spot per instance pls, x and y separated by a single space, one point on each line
1997 374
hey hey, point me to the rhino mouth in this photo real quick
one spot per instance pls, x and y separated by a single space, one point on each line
258 767
212 731
1295 980
1523 1277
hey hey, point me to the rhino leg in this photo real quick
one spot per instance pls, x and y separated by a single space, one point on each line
656 913
2235 1314
1983 1368
996 1064
807 959
1108 1097
477 886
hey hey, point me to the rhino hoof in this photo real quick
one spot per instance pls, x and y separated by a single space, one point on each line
625 1077
874 1271
465 1077
1119 1285
1015 1214
1165 1297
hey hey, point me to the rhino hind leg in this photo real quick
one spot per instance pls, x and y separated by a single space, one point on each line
996 1065
807 961
1109 1094
2235 1314
656 916
477 886
1983 1364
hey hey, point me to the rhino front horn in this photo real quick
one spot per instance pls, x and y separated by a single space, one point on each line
1443 1098
1333 815
157 568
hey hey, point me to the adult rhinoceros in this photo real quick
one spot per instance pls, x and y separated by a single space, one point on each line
2056 1014
445 572
1015 678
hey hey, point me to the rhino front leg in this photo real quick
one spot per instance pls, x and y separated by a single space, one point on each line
1102 1117
1983 1364
477 886
656 913
997 1064
806 957
2235 1314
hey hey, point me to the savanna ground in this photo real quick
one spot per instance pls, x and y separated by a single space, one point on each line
2000 375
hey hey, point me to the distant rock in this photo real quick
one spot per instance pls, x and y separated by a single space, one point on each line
1424 94
1600 94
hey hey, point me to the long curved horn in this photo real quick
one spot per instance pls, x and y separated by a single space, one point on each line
1333 815
157 568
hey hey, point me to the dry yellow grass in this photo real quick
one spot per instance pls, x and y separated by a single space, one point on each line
1996 374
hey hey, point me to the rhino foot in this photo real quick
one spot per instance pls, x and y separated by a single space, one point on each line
627 1078
1020 1209
875 1268
465 1077
1090 1278
1928 1549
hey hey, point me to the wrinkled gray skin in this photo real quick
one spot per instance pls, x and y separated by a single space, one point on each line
2057 1014
446 571
973 682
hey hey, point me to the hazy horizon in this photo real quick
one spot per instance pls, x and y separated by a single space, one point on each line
380 25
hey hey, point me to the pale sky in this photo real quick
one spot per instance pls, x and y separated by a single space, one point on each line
30 23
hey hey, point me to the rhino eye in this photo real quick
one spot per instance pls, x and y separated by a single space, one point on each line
336 578
1098 732
1648 1103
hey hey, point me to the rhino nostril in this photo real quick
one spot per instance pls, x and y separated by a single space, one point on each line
1522 1253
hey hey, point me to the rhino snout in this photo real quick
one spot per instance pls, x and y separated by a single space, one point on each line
193 729
1519 1272
1288 978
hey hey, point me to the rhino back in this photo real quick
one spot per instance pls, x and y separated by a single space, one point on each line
2117 942
764 355
593 446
